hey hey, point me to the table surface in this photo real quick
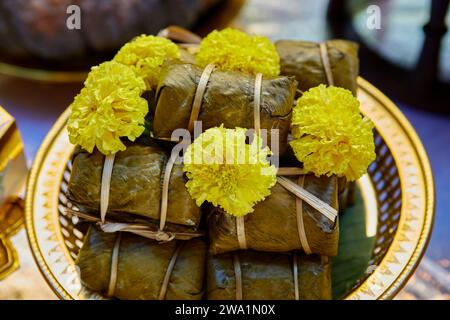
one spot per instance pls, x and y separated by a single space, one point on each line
37 105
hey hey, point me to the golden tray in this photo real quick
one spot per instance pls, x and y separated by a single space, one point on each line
398 194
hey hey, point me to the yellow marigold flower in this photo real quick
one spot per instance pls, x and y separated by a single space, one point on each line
109 107
331 136
227 172
231 49
145 55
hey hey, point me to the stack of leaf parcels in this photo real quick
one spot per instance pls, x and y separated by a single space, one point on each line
214 172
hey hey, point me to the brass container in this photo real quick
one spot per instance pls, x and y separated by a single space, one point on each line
13 174
398 195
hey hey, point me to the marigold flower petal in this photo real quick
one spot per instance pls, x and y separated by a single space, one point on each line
225 171
330 134
234 50
145 55
109 107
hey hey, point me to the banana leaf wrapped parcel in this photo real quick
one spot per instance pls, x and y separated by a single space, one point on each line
289 160
305 61
334 62
251 275
135 187
130 267
228 99
273 226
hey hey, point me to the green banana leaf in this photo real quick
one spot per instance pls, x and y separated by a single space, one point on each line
268 276
228 100
272 226
142 266
302 59
355 249
135 192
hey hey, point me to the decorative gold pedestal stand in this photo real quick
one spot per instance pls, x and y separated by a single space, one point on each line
398 193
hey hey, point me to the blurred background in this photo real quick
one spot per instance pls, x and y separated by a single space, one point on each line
404 51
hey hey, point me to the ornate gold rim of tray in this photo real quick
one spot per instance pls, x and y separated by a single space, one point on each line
401 181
